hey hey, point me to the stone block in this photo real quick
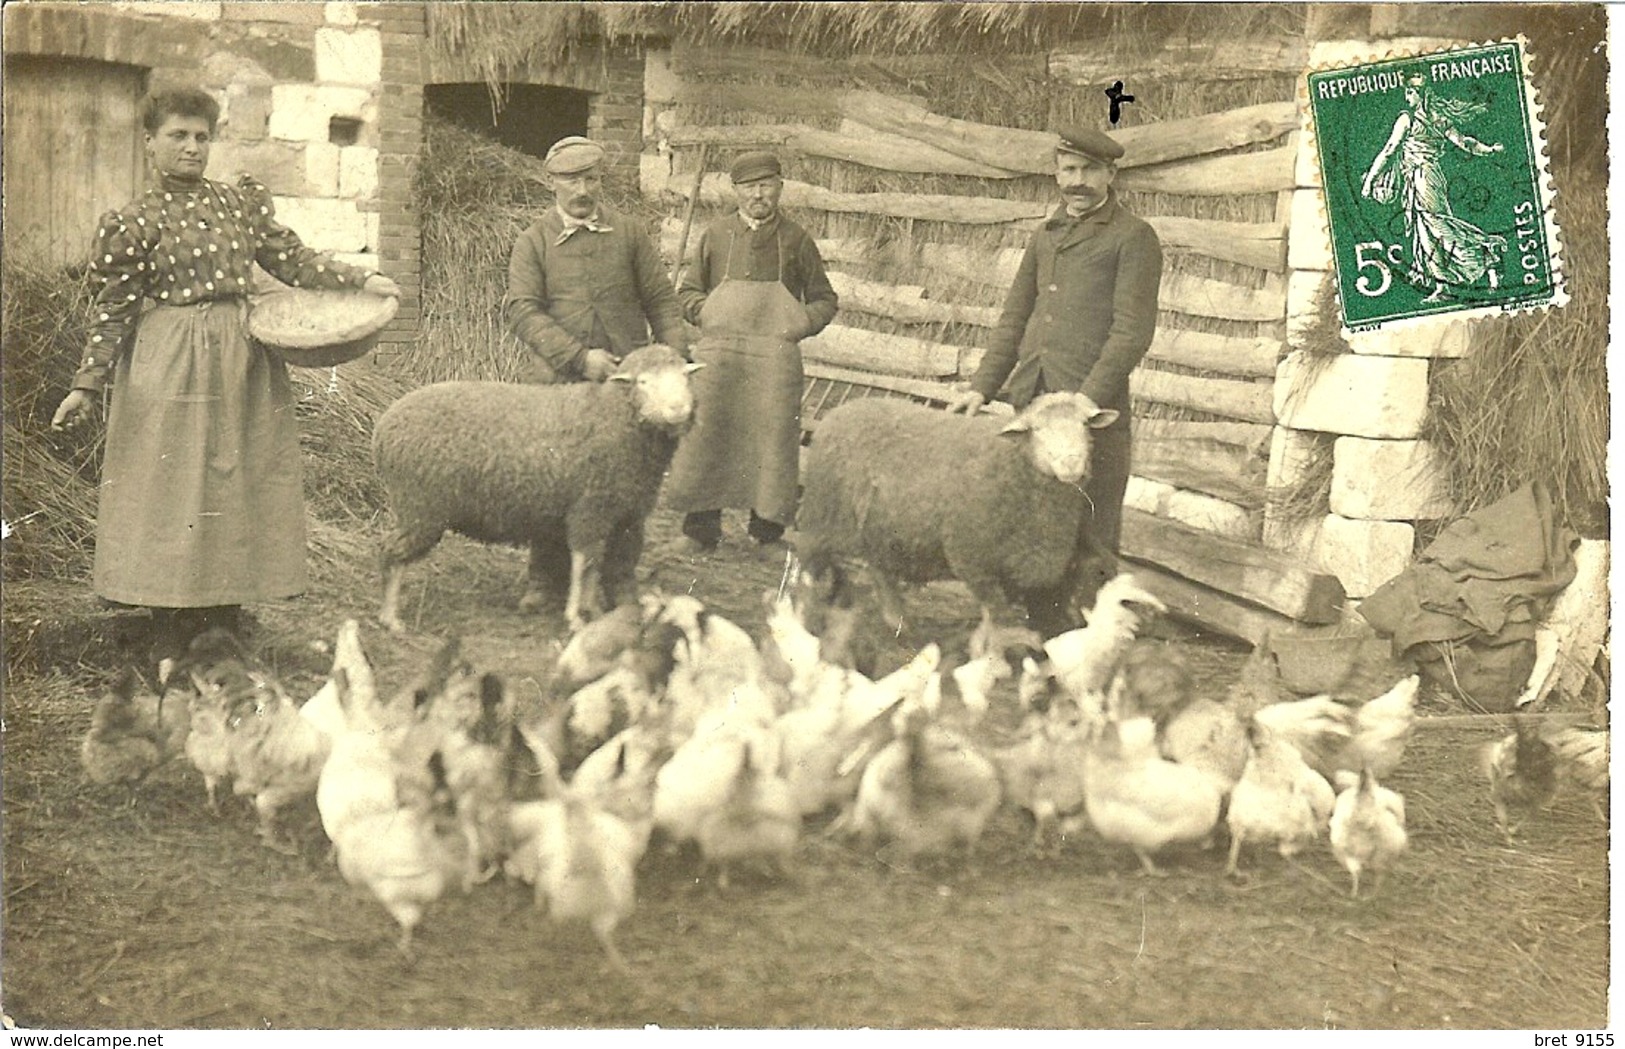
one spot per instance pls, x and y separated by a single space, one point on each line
245 114
1302 303
326 225
1352 394
284 13
1309 241
340 14
277 54
1306 167
358 172
321 169
1293 454
1364 554
280 165
303 112
349 56
1388 481
1428 337
1211 515
1293 535
654 171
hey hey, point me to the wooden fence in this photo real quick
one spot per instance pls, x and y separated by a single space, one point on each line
916 307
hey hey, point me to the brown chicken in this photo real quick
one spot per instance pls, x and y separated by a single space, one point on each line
123 744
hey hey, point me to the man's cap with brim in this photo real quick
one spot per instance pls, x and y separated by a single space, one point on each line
751 167
572 156
1087 142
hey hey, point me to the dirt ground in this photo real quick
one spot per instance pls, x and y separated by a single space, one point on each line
150 913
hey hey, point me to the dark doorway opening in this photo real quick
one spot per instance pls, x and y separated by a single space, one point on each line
531 117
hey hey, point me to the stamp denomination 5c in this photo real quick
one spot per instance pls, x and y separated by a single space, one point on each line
1437 195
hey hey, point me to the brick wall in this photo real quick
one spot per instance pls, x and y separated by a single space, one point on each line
403 28
615 112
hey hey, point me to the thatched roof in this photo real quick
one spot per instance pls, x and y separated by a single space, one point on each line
499 36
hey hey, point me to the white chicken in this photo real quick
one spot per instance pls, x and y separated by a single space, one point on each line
408 856
580 850
1278 798
1135 797
1582 757
1086 660
928 791
702 776
596 648
1367 828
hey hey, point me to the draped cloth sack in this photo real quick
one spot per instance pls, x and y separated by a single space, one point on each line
1466 611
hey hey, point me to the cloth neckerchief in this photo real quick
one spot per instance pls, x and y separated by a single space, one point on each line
757 225
1074 216
572 224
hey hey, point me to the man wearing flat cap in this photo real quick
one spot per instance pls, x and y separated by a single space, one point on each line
1079 317
756 286
585 286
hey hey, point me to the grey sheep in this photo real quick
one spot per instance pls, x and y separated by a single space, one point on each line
535 465
920 495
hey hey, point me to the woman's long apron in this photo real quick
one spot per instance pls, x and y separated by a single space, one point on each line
744 450
201 493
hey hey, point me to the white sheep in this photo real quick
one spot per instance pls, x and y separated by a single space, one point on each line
921 495
525 464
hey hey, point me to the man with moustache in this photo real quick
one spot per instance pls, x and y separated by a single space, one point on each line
585 286
1079 317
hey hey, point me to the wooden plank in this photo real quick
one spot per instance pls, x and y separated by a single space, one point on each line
717 190
1253 573
849 347
1219 176
996 268
932 391
1015 149
1166 140
760 98
905 302
1205 297
1254 438
1249 401
1207 60
1230 354
685 135
1225 471
853 143
1259 244
1209 608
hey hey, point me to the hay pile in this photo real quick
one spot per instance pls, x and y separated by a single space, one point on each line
476 196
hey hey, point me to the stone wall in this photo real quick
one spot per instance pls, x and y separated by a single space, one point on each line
1366 409
320 101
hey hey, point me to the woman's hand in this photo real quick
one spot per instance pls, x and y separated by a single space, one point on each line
77 407
378 284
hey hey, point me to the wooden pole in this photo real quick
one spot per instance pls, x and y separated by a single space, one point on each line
688 215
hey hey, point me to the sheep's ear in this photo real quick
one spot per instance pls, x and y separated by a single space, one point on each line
1102 418
692 367
620 377
1020 424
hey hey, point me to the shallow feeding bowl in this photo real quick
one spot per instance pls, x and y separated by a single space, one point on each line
320 329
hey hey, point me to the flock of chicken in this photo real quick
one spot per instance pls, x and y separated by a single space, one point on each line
665 717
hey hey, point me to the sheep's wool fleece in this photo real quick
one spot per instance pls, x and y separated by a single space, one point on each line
923 495
500 461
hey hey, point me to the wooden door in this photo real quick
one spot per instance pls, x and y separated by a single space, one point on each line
73 149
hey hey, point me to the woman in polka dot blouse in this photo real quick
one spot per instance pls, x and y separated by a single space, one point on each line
201 505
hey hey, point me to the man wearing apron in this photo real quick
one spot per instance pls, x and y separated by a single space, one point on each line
755 284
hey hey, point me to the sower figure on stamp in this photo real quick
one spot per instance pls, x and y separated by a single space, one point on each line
1446 251
756 286
585 287
1078 318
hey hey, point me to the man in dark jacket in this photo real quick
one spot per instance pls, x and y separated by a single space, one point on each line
1080 315
585 285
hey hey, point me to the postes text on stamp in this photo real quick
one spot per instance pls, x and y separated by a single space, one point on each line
1436 189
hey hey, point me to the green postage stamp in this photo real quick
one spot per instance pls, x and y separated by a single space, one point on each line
1437 194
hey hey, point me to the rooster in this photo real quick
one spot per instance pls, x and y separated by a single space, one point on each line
1522 770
